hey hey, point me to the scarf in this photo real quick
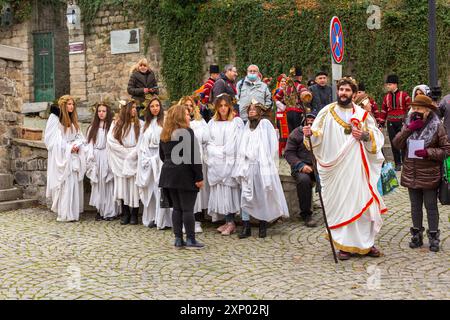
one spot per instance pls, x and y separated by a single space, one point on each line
428 132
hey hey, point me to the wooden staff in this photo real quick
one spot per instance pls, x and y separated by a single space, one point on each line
316 173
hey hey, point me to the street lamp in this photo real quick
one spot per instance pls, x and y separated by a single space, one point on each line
432 58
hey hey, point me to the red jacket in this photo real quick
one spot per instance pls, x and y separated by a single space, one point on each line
207 87
393 113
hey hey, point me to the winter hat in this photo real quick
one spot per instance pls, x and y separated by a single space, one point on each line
361 86
422 87
392 78
214 68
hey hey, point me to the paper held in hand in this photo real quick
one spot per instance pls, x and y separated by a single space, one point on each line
413 146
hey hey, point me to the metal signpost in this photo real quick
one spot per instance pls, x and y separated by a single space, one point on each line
337 51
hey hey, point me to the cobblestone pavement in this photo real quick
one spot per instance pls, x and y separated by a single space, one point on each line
44 259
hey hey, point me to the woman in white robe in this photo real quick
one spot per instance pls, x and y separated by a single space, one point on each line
224 197
66 164
262 195
122 141
149 168
98 170
201 132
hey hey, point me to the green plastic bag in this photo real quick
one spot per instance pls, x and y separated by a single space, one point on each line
447 168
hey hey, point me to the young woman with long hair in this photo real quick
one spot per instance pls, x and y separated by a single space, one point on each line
122 141
224 197
181 174
201 131
98 170
66 164
149 167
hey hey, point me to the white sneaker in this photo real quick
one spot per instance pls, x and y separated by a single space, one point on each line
198 227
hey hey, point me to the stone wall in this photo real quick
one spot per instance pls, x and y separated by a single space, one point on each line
10 107
20 36
108 74
29 167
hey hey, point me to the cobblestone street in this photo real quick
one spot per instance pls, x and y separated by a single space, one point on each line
43 259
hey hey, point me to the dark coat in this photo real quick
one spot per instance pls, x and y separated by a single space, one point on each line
423 173
223 85
138 81
296 153
322 96
184 175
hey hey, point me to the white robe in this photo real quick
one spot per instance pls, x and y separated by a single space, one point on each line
224 196
65 170
201 131
147 178
122 160
262 194
101 176
349 172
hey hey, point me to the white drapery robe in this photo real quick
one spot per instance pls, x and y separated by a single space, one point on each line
147 178
262 194
65 170
349 171
224 196
122 160
201 131
101 176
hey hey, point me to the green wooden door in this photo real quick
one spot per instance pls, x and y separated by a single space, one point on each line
44 67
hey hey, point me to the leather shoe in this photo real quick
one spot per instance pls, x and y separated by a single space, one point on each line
374 252
342 255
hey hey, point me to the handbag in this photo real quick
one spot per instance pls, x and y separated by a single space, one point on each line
388 179
444 188
165 201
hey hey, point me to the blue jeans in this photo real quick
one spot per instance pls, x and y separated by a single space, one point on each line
245 216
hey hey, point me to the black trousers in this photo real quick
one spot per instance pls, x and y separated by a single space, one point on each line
393 129
304 190
418 197
294 120
183 212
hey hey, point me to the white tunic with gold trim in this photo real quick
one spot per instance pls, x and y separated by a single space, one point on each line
349 171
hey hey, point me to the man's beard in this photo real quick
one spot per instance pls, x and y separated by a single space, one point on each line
344 101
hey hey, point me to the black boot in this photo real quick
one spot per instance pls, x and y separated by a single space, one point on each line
125 214
433 238
262 229
417 237
179 243
246 230
191 243
134 216
309 221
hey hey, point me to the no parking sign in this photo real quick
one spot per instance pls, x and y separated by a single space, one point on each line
336 40
337 51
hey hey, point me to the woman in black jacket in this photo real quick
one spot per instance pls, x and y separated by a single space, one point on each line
181 174
142 81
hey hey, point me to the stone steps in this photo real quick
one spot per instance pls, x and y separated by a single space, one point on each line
11 197
17 204
10 194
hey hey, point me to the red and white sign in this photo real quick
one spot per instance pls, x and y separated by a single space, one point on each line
336 40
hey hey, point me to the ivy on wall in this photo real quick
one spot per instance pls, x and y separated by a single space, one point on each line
278 34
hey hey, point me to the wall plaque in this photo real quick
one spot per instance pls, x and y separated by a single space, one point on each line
76 47
124 41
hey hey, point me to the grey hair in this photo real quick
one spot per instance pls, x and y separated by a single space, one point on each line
228 67
253 65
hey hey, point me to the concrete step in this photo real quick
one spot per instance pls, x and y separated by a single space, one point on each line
17 204
6 181
10 194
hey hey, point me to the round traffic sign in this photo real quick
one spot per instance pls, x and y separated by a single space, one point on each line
336 40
